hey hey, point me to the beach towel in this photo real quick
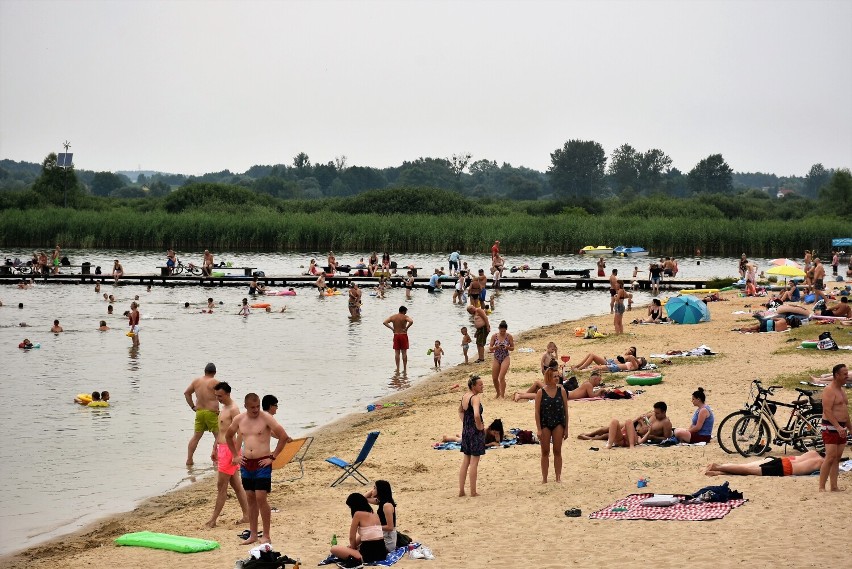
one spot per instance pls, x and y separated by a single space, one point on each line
701 350
392 557
457 446
681 512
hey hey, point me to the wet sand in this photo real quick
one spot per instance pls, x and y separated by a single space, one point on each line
517 521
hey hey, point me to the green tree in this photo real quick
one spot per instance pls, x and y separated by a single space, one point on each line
302 164
427 172
128 192
53 183
651 166
577 169
836 196
158 189
104 183
141 179
817 177
622 170
712 176
523 189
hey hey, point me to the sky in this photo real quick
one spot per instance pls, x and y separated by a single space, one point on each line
190 87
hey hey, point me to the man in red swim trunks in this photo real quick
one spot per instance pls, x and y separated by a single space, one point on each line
773 466
399 323
835 426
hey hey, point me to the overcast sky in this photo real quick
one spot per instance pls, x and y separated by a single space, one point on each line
193 87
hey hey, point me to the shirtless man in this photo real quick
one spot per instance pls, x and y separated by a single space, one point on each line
399 323
655 425
819 278
659 425
56 328
784 466
613 289
227 469
207 264
256 429
473 292
835 426
483 329
842 309
133 320
206 408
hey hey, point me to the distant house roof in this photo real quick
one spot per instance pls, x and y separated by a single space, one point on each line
784 192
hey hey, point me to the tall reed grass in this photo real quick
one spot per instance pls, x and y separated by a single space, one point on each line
261 229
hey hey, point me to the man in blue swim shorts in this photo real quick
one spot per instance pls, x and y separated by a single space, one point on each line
256 428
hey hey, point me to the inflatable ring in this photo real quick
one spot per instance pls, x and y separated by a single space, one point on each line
86 398
260 305
810 344
645 378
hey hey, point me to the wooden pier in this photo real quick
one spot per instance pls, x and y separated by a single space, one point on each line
337 281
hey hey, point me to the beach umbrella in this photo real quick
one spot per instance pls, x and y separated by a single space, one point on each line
786 262
786 271
687 309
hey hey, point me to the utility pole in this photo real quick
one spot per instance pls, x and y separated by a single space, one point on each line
65 164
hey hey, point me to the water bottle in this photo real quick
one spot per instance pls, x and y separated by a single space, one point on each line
334 539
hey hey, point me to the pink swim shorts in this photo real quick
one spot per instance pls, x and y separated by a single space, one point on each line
225 459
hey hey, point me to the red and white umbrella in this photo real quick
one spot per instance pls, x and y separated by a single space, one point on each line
786 263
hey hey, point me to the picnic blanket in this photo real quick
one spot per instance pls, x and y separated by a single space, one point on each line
681 512
701 350
457 446
392 557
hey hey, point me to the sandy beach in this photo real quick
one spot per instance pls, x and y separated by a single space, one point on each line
517 521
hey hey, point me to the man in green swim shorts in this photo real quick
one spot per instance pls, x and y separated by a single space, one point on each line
206 408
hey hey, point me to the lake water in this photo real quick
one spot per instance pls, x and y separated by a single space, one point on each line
65 466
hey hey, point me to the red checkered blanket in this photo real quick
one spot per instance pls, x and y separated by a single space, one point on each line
682 512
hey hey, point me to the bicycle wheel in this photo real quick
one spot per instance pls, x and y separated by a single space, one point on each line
194 271
725 432
809 436
25 270
177 269
752 435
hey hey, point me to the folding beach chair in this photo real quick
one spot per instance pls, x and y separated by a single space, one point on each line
351 469
294 451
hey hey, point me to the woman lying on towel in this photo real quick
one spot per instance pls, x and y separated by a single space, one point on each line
626 362
802 465
493 434
777 323
619 434
585 390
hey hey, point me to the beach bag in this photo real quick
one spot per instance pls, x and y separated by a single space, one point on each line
717 494
591 330
525 438
571 383
826 342
402 540
618 394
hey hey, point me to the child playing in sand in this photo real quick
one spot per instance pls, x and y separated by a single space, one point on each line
437 352
465 343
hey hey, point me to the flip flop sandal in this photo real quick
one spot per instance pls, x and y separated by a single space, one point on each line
246 533
573 513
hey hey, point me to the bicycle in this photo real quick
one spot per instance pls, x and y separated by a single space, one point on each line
189 268
725 432
754 432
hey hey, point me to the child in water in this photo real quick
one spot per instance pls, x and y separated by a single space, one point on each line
244 309
465 343
437 352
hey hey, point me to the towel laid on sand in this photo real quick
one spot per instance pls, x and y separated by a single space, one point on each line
701 350
392 557
680 512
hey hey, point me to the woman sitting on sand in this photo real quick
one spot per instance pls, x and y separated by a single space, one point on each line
655 313
382 496
366 540
702 421
493 434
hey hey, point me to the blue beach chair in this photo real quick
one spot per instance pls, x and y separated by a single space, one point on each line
351 469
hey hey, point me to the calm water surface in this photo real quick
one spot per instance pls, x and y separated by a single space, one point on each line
65 466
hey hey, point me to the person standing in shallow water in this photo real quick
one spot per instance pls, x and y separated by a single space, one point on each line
399 324
206 408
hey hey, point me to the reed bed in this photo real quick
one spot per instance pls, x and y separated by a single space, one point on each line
263 229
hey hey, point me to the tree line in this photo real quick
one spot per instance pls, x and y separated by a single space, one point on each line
580 174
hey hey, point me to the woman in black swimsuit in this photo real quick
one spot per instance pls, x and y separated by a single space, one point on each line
551 419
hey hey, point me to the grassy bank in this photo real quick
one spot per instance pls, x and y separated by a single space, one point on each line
262 229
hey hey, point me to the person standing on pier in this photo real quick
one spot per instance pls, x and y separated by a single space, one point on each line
207 264
601 267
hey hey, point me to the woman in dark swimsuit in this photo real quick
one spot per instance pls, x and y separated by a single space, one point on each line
655 313
473 433
551 419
